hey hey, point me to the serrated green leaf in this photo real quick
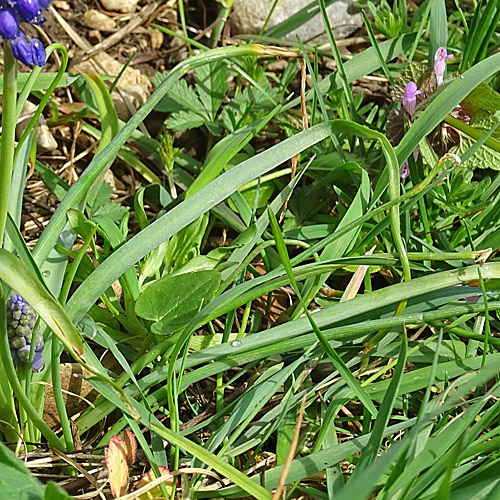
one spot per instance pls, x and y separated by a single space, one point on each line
112 211
98 195
186 96
485 157
412 72
184 120
211 85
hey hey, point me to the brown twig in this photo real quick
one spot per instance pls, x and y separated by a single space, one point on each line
291 452
303 110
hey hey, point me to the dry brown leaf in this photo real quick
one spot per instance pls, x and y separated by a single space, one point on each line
118 455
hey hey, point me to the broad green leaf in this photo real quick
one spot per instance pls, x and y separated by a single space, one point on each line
483 97
54 492
16 483
176 296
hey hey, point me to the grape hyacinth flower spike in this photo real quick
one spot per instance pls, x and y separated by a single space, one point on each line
21 321
410 98
440 59
14 12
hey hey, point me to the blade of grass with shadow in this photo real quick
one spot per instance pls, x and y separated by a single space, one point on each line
337 361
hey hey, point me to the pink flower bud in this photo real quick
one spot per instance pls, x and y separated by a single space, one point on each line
410 98
404 171
440 63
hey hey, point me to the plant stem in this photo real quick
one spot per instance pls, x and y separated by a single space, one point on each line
8 133
222 18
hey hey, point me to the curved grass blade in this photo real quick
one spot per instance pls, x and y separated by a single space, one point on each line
20 278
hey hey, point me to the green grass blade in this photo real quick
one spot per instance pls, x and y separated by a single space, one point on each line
438 28
337 361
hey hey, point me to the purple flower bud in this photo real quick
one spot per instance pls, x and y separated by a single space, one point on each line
29 10
9 25
404 171
410 98
38 362
440 63
38 51
22 50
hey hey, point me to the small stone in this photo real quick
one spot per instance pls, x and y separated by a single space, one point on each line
45 139
156 37
249 17
330 64
61 5
98 21
309 81
125 6
134 85
277 66
95 36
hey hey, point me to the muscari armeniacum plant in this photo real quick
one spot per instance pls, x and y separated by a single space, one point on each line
22 342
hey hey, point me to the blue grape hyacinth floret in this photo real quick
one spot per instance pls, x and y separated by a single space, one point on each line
12 13
21 321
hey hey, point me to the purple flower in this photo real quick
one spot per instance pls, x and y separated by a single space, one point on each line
29 11
410 98
22 49
404 171
12 13
38 52
440 63
38 362
9 25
